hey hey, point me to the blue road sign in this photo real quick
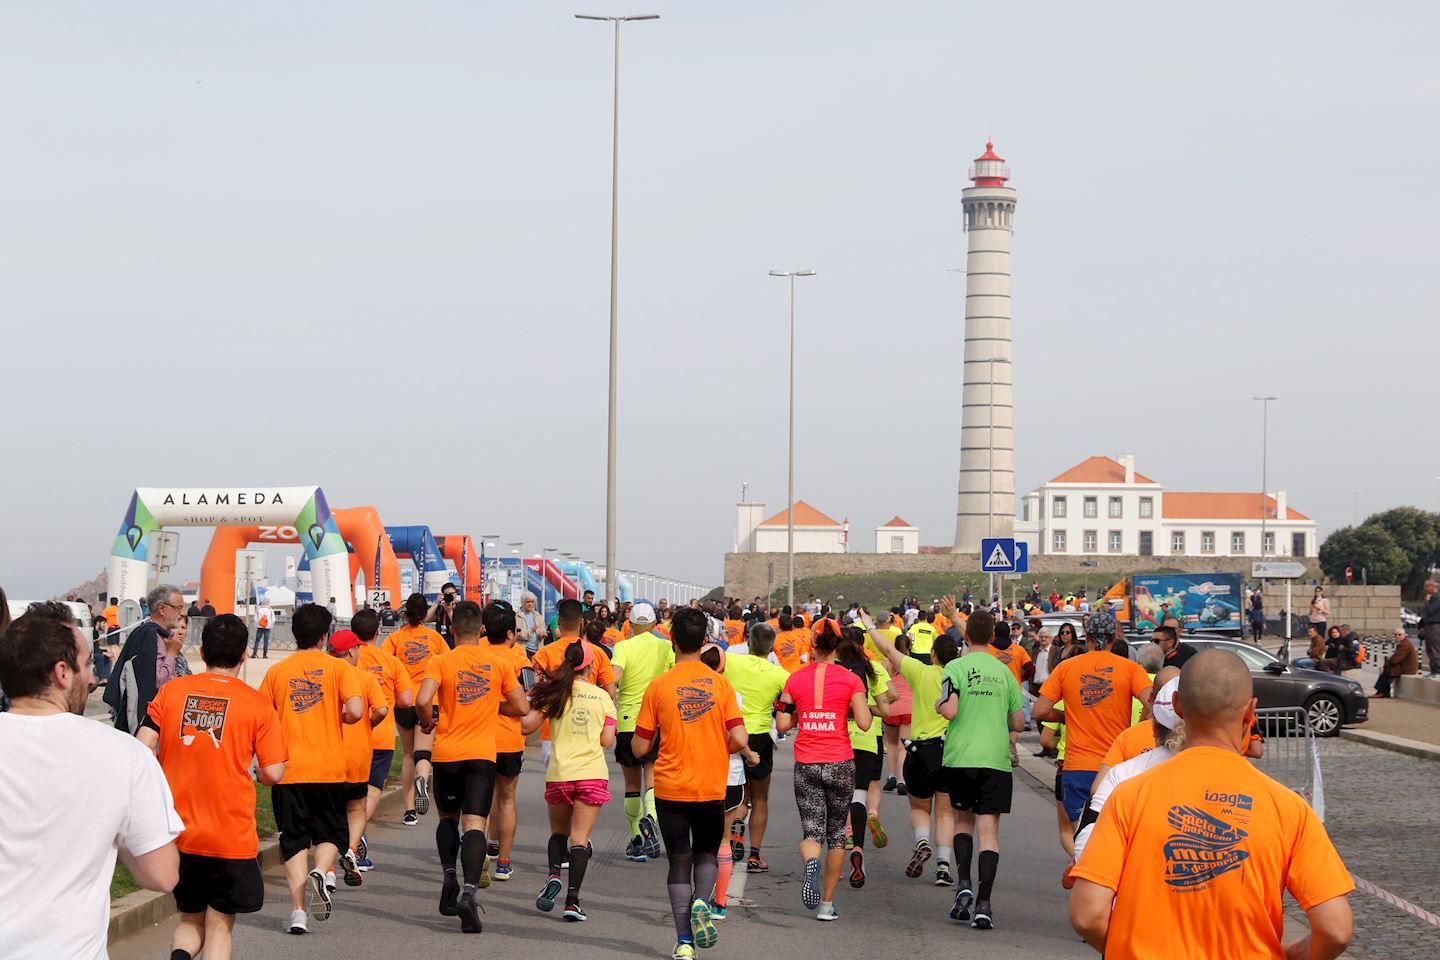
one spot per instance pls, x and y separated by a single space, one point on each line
1022 557
1004 555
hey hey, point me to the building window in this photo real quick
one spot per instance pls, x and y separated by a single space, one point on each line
1207 541
1057 540
1116 508
1115 541
1237 543
1147 508
897 544
1092 508
1025 510
1091 541
1268 547
1297 545
1177 542
1057 509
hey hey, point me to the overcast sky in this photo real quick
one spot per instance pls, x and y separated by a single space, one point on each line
367 246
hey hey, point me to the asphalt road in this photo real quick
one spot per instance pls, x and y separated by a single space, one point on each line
394 915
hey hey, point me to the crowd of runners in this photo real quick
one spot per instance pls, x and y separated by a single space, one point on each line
692 704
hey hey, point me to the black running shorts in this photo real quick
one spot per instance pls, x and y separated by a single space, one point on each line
465 786
924 771
690 827
309 814
225 886
380 761
356 791
765 747
734 795
867 768
509 764
979 789
626 757
406 718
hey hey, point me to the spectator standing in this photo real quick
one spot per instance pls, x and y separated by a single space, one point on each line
207 610
1404 662
264 620
194 609
135 672
1257 616
1319 609
56 881
1430 627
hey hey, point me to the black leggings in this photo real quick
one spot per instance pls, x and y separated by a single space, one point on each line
692 832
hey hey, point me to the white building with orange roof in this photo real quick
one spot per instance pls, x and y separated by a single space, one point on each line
1103 506
814 531
897 535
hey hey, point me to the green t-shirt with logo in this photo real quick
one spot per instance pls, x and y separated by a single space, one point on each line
642 657
979 736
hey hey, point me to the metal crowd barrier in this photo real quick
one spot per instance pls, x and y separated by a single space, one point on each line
1292 753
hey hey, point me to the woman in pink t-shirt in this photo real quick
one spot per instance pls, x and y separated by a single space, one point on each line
818 700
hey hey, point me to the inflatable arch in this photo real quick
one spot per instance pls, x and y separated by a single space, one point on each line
459 548
369 551
418 543
304 508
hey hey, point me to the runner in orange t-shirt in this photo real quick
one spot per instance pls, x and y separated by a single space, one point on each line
346 645
1191 859
413 645
509 741
472 685
569 620
207 728
399 691
1016 660
694 712
792 644
315 696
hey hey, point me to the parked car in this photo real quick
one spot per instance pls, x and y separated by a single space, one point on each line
1330 701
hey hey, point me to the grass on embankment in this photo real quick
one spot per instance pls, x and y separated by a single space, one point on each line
882 590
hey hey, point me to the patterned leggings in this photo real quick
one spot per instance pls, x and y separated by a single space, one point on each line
823 792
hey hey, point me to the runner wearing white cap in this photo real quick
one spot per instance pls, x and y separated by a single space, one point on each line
639 659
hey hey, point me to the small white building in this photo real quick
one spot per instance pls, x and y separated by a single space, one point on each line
814 531
1103 506
897 536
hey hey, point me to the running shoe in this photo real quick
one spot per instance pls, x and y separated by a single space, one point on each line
701 926
635 850
857 868
320 903
810 891
1066 880
737 840
918 858
422 795
827 911
683 951
756 864
984 919
960 909
900 789
943 876
650 836
890 785
492 849
469 912
449 893
503 871
365 864
718 911
411 818
351 869
485 874
330 881
298 922
546 901
363 849
877 832
573 913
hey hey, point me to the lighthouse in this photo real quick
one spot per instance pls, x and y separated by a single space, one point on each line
986 502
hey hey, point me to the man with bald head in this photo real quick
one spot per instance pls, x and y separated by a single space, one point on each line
1191 859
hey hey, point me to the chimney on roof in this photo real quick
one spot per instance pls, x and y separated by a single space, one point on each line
1281 512
1128 462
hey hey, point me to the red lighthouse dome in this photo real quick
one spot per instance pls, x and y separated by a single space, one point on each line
989 169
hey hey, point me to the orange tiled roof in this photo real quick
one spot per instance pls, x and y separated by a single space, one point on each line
1098 470
805 516
1221 506
897 521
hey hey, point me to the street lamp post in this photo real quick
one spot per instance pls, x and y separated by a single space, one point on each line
614 288
1264 467
790 502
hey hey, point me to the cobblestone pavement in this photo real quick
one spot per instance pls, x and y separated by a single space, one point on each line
1380 810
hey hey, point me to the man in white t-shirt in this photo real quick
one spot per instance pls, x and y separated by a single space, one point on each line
55 884
264 620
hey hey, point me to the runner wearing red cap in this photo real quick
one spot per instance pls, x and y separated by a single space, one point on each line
358 736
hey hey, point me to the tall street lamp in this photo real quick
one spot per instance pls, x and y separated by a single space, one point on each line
790 502
1264 466
614 291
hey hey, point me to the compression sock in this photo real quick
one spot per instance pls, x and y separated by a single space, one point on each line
447 842
707 870
857 819
922 833
650 804
579 860
964 850
754 851
725 863
472 855
989 866
634 810
180 955
555 849
677 884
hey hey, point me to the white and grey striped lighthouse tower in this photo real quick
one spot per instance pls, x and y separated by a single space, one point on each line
987 447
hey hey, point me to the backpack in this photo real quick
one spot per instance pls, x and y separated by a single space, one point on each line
1359 652
264 620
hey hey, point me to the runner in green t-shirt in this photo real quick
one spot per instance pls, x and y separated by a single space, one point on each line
865 804
983 702
638 659
759 683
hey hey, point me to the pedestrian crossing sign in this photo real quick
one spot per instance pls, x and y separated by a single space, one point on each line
1004 555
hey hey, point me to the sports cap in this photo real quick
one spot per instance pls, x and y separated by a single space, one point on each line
642 613
343 640
1163 708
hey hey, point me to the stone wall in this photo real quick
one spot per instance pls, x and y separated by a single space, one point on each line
1373 611
756 574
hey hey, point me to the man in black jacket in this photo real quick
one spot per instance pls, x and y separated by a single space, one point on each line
1430 627
133 683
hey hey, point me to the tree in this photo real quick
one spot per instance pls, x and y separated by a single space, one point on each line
1417 532
1370 547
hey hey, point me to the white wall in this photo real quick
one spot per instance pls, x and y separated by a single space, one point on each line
909 539
807 540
